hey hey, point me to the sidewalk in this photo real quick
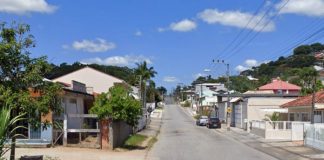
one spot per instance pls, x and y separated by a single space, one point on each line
153 129
285 150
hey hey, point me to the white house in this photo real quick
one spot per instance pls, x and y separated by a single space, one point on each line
253 105
98 81
207 92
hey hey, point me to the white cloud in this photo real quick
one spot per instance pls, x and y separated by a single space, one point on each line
98 45
251 62
170 79
26 6
248 64
237 19
184 25
241 68
126 60
138 33
199 75
160 29
207 70
302 7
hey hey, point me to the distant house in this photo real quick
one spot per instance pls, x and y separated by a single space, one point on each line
300 109
280 87
253 105
206 92
96 81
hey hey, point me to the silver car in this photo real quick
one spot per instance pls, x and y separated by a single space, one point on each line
202 121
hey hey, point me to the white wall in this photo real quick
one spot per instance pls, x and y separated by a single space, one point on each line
258 105
100 82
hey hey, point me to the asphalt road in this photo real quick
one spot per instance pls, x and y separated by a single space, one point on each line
180 139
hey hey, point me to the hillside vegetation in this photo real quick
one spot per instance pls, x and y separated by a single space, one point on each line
296 68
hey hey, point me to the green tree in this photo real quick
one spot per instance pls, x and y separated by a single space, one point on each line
317 47
20 75
302 50
162 90
118 105
307 76
146 73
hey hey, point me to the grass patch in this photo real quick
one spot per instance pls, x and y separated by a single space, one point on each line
197 116
134 141
152 141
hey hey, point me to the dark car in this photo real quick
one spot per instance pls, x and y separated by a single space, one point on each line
213 122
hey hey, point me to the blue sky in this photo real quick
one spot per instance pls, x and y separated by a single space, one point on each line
178 37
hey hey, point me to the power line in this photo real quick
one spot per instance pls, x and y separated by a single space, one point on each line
307 28
307 38
257 33
242 29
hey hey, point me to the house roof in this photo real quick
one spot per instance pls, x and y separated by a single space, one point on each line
305 101
87 67
277 84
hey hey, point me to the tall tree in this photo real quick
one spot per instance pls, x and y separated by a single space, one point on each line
146 73
20 75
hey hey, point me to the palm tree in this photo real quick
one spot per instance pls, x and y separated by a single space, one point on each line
146 74
144 71
6 131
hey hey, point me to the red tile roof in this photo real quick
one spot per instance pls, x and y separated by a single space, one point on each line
305 101
278 84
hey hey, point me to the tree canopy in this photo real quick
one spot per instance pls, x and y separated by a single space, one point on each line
22 87
118 105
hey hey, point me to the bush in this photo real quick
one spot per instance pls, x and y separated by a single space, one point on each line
187 104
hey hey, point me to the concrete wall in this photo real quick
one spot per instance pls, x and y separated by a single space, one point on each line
119 132
258 132
278 134
100 81
257 106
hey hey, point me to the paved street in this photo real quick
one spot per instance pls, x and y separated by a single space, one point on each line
180 139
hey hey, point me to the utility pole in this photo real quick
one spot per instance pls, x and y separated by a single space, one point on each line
313 100
228 114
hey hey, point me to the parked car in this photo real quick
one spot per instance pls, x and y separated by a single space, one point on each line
202 121
213 122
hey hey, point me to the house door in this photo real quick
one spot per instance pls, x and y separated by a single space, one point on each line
72 108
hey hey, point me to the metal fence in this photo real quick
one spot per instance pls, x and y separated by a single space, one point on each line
314 135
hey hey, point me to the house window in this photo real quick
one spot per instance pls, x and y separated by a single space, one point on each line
291 116
73 101
305 117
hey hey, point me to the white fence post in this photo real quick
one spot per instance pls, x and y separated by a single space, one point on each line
65 130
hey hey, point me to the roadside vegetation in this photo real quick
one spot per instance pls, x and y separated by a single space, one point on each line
135 141
186 104
7 128
296 69
118 105
21 75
